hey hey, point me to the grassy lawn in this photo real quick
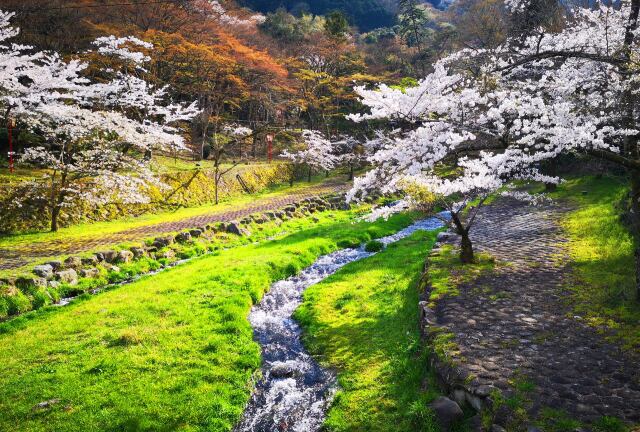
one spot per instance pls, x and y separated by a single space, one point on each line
601 250
363 321
94 230
172 351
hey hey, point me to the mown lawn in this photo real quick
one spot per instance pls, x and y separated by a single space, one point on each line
601 251
170 352
363 322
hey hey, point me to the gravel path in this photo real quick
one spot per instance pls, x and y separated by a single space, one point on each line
15 258
515 324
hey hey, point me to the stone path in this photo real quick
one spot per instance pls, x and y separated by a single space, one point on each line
15 258
515 324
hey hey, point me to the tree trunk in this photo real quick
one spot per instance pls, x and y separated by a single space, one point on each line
466 249
309 175
216 182
55 212
350 172
635 224
466 246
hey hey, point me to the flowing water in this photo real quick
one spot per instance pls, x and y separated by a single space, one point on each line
295 392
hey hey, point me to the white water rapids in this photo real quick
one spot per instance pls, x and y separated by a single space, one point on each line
295 392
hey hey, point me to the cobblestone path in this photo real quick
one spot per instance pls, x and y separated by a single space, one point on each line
15 258
515 322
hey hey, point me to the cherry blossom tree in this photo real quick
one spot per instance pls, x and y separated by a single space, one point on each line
97 133
317 153
351 152
534 97
219 148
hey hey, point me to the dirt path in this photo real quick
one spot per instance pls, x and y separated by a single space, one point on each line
15 258
515 324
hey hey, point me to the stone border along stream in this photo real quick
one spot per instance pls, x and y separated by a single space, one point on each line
51 275
295 391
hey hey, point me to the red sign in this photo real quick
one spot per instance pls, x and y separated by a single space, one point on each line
269 138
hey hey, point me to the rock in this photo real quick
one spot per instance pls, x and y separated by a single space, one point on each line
282 370
315 219
73 262
90 273
497 428
124 256
532 428
137 252
113 268
485 390
168 254
26 283
99 256
447 237
447 411
183 237
270 215
161 242
55 264
91 261
195 233
110 256
44 271
53 284
9 282
233 228
68 276
46 404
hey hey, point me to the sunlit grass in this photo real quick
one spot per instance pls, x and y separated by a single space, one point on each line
363 321
602 255
167 353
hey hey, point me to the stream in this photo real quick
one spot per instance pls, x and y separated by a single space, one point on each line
295 391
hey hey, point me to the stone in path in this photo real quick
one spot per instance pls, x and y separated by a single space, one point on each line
18 257
515 324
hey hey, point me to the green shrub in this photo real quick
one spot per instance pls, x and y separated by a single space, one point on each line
18 303
374 246
349 243
41 298
4 307
609 424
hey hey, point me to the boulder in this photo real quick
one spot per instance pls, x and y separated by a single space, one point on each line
137 251
73 262
447 237
110 256
26 283
55 264
124 256
161 242
234 228
497 428
90 273
168 254
91 261
282 370
53 284
68 276
44 271
447 411
195 233
99 256
183 237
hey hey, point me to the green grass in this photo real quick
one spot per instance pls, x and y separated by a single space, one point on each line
446 272
601 251
170 352
364 322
